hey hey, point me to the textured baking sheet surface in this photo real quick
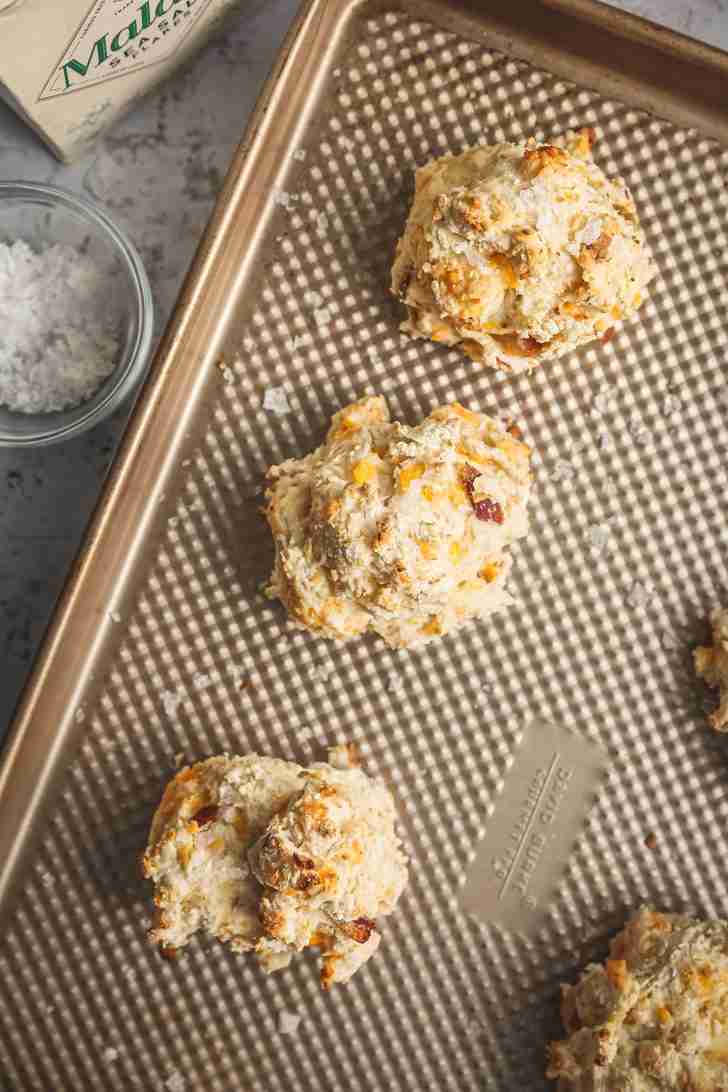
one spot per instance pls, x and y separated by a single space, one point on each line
626 555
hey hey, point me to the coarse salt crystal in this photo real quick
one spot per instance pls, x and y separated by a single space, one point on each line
110 1055
175 1082
288 1021
639 594
58 337
276 401
598 536
285 200
603 401
295 343
562 471
170 700
313 299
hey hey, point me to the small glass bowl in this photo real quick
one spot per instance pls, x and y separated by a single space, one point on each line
42 216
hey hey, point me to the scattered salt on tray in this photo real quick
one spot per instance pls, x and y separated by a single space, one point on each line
288 1021
58 340
275 401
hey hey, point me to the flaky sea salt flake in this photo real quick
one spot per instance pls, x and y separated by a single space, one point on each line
170 701
275 400
312 299
598 536
288 1021
562 471
639 594
286 200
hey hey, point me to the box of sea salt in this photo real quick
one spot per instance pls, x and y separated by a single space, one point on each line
71 67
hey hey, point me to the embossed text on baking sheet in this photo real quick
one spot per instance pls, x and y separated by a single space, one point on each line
535 822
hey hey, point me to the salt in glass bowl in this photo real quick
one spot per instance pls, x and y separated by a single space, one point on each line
42 216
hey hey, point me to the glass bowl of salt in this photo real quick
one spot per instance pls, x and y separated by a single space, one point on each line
76 315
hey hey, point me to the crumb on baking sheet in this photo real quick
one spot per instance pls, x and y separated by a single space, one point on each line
175 1082
651 840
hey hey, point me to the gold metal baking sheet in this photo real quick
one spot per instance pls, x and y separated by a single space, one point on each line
163 650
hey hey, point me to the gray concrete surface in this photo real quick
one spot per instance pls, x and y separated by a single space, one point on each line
158 174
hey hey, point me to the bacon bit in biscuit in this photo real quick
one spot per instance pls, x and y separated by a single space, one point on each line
359 930
170 954
599 249
536 160
486 509
206 815
520 346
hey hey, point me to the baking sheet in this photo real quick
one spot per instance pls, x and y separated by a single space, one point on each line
163 650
